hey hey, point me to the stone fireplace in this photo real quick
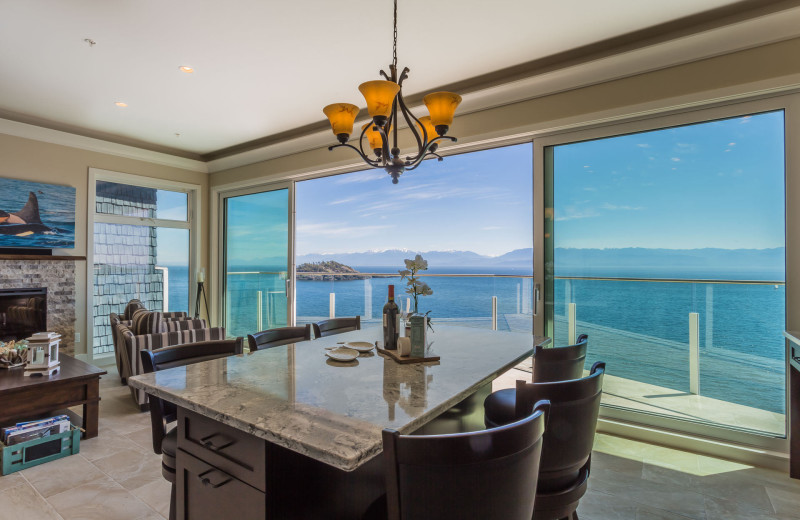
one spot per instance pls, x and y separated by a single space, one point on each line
58 276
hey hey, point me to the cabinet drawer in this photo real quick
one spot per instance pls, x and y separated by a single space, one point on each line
204 492
233 451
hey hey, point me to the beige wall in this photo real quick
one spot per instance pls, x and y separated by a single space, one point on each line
667 88
50 163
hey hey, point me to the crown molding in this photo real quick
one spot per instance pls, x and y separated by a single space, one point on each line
48 135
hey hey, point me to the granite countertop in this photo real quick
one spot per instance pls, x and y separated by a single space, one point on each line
295 397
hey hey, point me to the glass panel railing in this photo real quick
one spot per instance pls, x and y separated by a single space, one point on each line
683 348
256 301
461 299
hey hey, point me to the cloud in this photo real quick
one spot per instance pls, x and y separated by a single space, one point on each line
614 207
643 145
339 229
675 159
589 188
366 176
731 144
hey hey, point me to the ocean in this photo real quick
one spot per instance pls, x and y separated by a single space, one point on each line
639 328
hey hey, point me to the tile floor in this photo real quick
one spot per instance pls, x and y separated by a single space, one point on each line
116 476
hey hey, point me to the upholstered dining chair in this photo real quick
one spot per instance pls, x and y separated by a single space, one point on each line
336 326
567 446
162 413
277 337
481 474
549 364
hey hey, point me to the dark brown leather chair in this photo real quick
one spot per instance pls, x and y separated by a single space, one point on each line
277 337
336 326
549 364
162 413
568 440
483 474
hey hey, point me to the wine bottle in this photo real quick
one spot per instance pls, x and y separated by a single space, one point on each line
390 319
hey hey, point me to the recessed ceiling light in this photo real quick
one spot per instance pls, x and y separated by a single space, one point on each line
121 104
186 68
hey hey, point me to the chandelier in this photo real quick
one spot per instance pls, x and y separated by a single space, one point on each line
385 104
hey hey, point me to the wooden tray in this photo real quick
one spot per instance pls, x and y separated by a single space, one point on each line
404 360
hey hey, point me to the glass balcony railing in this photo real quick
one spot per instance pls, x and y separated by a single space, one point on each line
501 302
672 339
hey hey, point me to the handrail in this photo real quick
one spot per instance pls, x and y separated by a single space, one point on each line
672 280
490 275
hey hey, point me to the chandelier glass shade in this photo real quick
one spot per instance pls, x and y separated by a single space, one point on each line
386 107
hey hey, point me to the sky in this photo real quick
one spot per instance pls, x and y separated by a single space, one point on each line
477 202
717 184
172 245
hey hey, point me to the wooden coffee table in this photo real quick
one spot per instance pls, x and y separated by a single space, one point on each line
76 383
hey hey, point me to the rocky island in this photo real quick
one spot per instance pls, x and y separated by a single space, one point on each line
329 271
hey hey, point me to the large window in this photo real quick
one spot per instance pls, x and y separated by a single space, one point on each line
142 249
667 248
469 216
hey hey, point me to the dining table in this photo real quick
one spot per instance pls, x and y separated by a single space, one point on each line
288 432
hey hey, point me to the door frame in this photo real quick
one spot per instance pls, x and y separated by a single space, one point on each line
219 260
648 426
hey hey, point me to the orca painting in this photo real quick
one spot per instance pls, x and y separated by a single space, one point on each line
35 215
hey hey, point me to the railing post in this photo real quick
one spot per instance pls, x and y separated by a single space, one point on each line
694 353
332 306
259 310
709 316
572 313
494 312
368 298
519 299
164 287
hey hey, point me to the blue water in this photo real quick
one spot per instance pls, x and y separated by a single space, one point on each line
739 324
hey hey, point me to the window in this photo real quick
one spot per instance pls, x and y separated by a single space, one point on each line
142 247
469 216
667 248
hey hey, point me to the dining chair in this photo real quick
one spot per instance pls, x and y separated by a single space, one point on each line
162 413
568 440
277 337
549 364
481 474
336 326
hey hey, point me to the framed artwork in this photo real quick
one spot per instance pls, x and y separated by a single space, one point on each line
36 216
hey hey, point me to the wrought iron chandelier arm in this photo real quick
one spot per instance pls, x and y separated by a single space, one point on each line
366 159
385 141
409 116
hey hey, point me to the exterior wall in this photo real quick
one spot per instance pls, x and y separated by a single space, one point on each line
124 258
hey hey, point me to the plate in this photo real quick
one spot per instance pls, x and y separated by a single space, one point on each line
361 346
342 354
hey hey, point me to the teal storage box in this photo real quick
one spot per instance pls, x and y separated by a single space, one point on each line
38 451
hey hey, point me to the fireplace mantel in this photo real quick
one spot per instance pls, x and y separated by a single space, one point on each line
40 257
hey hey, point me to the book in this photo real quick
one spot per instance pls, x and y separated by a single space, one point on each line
25 431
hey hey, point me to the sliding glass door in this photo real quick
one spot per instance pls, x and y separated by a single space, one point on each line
666 245
256 260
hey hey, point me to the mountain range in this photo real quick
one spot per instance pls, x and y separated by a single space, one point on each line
573 258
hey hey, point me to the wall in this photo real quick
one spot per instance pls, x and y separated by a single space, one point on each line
51 163
740 72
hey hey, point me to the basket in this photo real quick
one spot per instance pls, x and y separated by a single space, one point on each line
38 451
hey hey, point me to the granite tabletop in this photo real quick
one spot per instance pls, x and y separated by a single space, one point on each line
296 397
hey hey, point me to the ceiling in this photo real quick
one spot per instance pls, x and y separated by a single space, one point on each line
264 69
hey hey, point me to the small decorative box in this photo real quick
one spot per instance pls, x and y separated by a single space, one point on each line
418 326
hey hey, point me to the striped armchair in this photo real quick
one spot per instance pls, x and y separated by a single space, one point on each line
172 332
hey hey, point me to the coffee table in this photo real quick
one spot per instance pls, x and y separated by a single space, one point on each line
76 383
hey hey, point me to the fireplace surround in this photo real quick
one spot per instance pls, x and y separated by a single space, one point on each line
57 276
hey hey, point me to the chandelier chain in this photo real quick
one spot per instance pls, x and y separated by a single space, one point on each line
394 48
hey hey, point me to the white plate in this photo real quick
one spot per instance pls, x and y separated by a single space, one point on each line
361 346
342 354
